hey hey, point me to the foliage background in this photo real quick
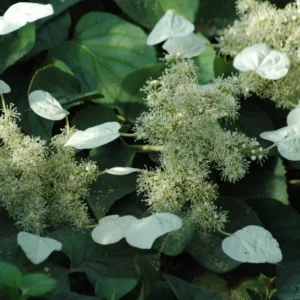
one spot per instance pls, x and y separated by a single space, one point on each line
92 56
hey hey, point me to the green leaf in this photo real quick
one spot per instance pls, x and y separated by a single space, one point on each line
51 34
187 291
281 220
56 79
211 19
92 115
10 275
161 291
205 63
79 246
36 284
112 155
103 51
130 99
148 12
213 283
288 272
267 181
114 288
147 275
107 190
206 248
253 120
15 45
175 242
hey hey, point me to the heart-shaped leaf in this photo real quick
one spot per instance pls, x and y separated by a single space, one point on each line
36 248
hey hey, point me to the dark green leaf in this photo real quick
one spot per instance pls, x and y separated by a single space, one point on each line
36 284
51 34
114 288
148 12
205 63
175 242
262 181
130 99
56 79
112 155
10 275
187 291
103 51
206 248
92 115
107 190
213 283
15 45
283 221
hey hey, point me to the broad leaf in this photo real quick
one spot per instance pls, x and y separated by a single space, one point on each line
15 45
147 12
206 248
187 291
36 284
103 51
10 275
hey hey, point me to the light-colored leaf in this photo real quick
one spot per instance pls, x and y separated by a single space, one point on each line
252 244
46 106
293 117
287 140
94 136
37 248
4 87
19 14
170 25
187 46
111 229
142 233
267 63
122 170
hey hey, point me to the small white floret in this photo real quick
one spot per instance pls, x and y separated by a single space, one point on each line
46 106
252 244
94 137
36 248
170 25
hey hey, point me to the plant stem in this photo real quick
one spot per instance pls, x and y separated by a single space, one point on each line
126 134
3 104
147 148
224 232
269 148
67 125
291 103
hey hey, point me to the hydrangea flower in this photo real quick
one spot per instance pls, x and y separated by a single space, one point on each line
287 139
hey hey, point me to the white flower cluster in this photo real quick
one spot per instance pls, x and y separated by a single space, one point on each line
178 34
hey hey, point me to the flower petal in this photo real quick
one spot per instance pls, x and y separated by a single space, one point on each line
274 66
170 25
4 87
94 136
46 106
36 248
142 233
252 244
25 12
122 170
293 117
111 229
251 57
188 46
